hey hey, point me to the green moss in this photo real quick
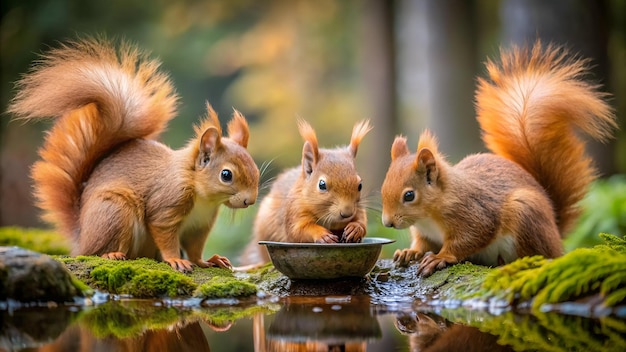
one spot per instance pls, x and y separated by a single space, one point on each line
148 278
581 273
458 280
42 241
222 287
138 278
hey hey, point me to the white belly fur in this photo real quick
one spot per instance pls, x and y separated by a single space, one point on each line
503 247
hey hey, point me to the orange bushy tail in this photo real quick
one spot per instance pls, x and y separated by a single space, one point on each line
101 97
530 110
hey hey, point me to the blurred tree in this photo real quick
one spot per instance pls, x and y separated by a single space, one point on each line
379 79
581 26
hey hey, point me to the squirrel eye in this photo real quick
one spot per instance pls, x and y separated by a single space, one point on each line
322 185
226 175
409 196
360 186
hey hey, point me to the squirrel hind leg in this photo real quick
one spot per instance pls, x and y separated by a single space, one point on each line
535 229
108 226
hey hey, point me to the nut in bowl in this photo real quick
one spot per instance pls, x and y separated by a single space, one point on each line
319 261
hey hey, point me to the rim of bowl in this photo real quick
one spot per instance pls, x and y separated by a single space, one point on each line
367 241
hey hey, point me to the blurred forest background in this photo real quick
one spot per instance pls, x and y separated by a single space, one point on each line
404 64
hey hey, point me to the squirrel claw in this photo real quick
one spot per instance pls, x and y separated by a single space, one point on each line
353 233
405 256
114 256
328 238
182 265
431 263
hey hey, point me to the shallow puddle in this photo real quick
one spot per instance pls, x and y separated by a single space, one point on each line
331 323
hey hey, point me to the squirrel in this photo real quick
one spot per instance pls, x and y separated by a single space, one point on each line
520 200
103 178
318 201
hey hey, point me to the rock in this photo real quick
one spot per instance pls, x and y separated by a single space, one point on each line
28 276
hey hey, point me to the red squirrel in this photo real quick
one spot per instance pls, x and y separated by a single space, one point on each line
519 200
318 201
103 178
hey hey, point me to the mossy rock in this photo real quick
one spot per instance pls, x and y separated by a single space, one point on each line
147 278
27 276
587 281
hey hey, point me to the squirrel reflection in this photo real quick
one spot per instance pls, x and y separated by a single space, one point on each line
179 337
433 333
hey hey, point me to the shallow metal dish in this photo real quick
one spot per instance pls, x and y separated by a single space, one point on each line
325 260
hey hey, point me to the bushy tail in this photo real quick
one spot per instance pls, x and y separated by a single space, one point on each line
101 97
530 112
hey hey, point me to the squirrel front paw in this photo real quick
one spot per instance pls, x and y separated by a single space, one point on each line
328 238
353 233
182 265
405 256
114 256
433 262
215 261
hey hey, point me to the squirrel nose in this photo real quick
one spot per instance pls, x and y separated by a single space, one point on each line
247 201
387 221
345 215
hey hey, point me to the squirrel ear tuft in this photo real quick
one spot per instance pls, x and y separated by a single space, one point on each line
238 129
399 148
358 132
309 158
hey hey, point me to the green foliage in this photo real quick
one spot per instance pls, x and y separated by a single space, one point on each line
38 240
581 273
604 210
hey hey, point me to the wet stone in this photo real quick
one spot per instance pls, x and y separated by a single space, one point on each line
27 276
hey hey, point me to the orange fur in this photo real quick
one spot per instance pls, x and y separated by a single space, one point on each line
56 88
105 181
297 210
493 208
529 111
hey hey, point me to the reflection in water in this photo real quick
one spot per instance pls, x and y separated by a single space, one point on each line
430 332
181 337
332 323
321 324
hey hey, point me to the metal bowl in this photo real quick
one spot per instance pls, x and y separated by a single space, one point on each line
325 260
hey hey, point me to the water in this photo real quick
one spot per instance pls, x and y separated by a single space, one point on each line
330 323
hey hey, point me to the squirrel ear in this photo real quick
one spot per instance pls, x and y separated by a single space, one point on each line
309 158
426 161
238 129
209 142
358 132
399 148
